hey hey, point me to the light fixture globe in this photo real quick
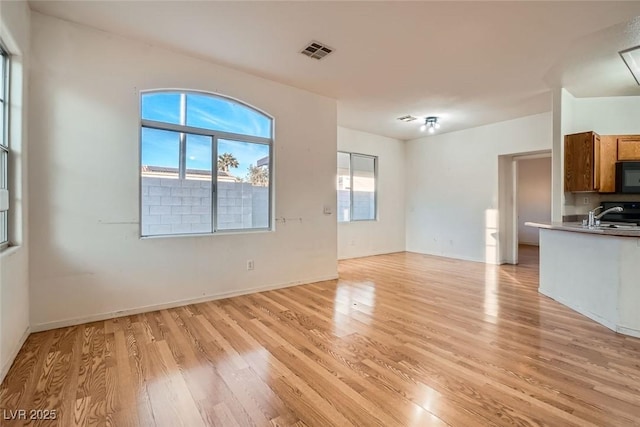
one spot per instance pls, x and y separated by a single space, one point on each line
431 124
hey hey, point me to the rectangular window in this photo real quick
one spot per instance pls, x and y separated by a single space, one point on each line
242 203
175 199
177 192
357 187
4 147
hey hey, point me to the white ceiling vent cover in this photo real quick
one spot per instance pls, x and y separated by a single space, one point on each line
407 118
316 50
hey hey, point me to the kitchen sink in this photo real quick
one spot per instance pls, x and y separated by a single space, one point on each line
630 226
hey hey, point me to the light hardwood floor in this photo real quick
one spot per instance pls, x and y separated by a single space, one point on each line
400 339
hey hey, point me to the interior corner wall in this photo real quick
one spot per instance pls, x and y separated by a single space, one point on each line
562 112
87 261
452 186
534 197
387 233
14 261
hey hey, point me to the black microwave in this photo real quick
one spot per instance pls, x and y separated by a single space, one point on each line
628 177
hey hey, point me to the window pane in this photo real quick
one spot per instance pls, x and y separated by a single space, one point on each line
171 205
3 98
161 107
364 187
196 190
3 71
243 185
344 187
160 151
215 113
159 178
4 238
3 115
199 156
3 169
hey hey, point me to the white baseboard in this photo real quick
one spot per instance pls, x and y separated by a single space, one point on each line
370 254
596 318
450 256
628 331
154 307
7 364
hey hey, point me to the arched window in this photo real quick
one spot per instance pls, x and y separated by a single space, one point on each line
187 139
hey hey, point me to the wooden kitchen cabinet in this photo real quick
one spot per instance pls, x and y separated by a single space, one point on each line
608 159
628 147
582 162
590 160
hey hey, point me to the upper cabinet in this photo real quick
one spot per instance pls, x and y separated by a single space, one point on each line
608 159
590 160
628 147
582 162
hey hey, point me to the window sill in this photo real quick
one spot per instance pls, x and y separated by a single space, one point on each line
217 233
9 251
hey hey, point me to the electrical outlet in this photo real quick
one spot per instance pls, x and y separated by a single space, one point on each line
250 264
585 200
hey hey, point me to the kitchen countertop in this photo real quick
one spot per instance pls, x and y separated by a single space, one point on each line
579 228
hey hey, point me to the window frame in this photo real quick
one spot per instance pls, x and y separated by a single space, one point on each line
5 63
215 135
375 186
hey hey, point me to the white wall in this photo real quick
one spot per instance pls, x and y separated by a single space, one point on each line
387 234
616 115
87 261
14 262
534 197
452 186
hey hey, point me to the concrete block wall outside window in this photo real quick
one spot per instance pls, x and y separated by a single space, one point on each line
182 206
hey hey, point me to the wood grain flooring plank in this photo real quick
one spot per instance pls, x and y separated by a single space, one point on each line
400 339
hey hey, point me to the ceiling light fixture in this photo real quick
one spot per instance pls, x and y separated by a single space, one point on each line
430 123
631 57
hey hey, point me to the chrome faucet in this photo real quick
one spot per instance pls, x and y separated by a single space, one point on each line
595 219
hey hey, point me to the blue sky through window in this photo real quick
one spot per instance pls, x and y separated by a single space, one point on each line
198 152
161 148
215 113
161 107
246 153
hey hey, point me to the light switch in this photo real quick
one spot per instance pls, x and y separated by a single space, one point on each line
4 200
327 210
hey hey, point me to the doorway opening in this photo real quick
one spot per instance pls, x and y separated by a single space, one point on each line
525 196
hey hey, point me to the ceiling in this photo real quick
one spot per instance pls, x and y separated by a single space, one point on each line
470 63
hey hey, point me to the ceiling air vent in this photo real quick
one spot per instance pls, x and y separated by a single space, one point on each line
407 118
316 50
